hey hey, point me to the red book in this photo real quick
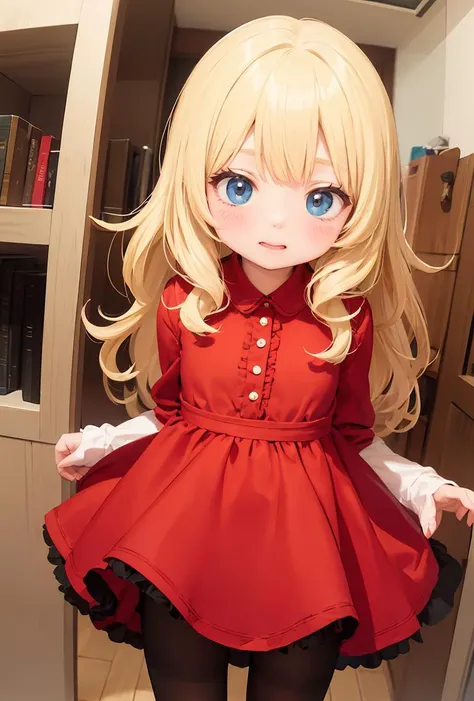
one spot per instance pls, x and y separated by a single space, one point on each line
41 178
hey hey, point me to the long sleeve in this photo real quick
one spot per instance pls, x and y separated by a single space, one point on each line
354 414
98 441
166 391
411 483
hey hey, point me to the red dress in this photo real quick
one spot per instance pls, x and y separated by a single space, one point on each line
251 511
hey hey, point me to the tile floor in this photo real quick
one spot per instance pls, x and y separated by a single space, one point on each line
110 672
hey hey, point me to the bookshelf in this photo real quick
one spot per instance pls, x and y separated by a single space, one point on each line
19 419
25 226
38 58
56 68
72 68
28 14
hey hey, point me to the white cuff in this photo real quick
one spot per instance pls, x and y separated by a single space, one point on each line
408 481
98 441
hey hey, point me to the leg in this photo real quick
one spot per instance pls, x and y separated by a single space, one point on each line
183 665
300 675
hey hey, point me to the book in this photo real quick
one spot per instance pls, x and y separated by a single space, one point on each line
132 178
142 185
33 323
51 179
16 324
41 177
16 161
8 265
5 124
118 170
33 153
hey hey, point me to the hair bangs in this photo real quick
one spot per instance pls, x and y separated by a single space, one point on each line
287 119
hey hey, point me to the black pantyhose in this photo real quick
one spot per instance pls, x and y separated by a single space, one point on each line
185 666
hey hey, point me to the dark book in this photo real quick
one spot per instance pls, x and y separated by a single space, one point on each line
33 153
16 325
132 202
8 265
51 180
5 124
16 160
33 324
118 169
142 183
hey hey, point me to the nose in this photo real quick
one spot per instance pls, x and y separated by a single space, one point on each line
277 220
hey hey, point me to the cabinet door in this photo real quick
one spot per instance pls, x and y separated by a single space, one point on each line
442 662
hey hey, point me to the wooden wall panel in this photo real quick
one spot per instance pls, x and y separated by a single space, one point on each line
36 660
436 291
189 43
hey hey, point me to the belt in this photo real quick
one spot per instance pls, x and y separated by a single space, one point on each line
256 429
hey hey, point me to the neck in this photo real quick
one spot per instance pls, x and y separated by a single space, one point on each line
266 281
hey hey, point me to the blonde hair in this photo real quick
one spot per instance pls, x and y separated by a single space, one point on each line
247 81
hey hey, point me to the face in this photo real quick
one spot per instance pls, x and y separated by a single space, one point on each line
272 225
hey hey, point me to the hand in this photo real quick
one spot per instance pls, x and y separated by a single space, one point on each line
66 445
458 500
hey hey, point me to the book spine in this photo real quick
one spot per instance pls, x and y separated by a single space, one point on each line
145 175
5 299
117 176
52 176
35 288
7 179
27 345
5 123
16 320
19 163
39 187
3 357
33 154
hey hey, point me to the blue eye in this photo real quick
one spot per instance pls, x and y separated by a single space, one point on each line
322 202
237 190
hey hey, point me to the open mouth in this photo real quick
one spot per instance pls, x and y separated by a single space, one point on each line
273 246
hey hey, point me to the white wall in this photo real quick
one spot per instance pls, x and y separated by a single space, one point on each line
434 84
365 23
459 93
419 95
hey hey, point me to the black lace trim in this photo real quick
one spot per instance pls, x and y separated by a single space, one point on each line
439 606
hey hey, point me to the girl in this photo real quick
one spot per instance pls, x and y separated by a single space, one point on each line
254 503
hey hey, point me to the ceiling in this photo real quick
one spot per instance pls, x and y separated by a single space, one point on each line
364 24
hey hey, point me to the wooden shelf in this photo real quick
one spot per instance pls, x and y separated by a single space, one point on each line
26 14
25 225
18 419
38 59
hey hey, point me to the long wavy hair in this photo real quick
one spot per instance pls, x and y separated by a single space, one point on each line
285 79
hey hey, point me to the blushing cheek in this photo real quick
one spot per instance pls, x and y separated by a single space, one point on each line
328 231
229 220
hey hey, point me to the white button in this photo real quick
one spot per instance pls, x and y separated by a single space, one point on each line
253 396
266 304
263 321
261 343
256 369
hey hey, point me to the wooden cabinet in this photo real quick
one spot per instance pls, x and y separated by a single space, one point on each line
438 669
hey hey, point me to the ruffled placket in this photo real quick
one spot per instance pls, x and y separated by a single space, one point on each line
256 369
